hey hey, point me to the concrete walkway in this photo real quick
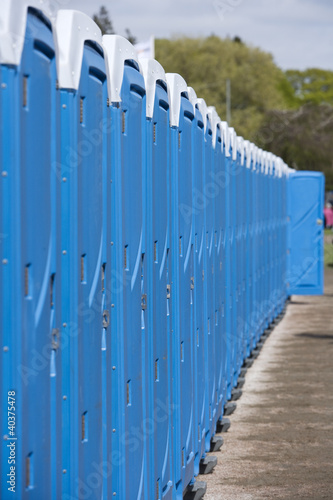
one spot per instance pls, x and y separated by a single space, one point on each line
280 443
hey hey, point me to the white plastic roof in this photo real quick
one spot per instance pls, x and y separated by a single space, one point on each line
241 148
247 150
117 50
233 142
226 139
72 30
152 72
13 20
215 120
202 106
176 87
192 96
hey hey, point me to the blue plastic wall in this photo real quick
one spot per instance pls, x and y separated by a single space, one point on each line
140 264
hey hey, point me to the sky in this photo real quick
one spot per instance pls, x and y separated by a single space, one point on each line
299 33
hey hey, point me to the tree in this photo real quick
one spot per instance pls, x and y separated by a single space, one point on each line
257 84
103 21
131 38
312 85
303 138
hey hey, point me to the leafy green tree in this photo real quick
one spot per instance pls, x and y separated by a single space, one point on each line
302 137
312 85
257 84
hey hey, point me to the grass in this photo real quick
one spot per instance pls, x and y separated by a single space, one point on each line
328 248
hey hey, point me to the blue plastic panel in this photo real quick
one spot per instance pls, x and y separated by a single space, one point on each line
182 296
200 304
30 277
218 185
305 231
130 294
83 180
158 297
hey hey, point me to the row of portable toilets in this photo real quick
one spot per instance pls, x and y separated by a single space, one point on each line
143 255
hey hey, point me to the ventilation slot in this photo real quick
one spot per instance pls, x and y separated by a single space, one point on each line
128 393
126 257
83 268
155 251
27 280
81 110
84 427
123 127
29 471
25 91
157 369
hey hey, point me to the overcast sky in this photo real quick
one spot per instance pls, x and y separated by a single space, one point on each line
299 33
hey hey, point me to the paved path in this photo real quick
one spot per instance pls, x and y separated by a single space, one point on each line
280 443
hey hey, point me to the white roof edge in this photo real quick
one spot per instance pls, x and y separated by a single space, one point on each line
202 106
259 159
279 166
241 148
225 138
276 166
72 30
215 120
273 164
117 50
248 148
192 96
13 23
264 162
254 155
152 72
269 163
233 142
176 86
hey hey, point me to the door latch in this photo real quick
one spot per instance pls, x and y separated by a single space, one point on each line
144 301
106 318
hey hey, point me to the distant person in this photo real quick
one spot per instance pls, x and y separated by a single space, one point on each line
328 216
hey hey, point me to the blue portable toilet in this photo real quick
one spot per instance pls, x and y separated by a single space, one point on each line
233 171
214 359
247 257
251 164
127 244
240 247
265 228
284 244
257 248
305 269
227 321
30 268
271 245
82 174
159 353
182 277
199 290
